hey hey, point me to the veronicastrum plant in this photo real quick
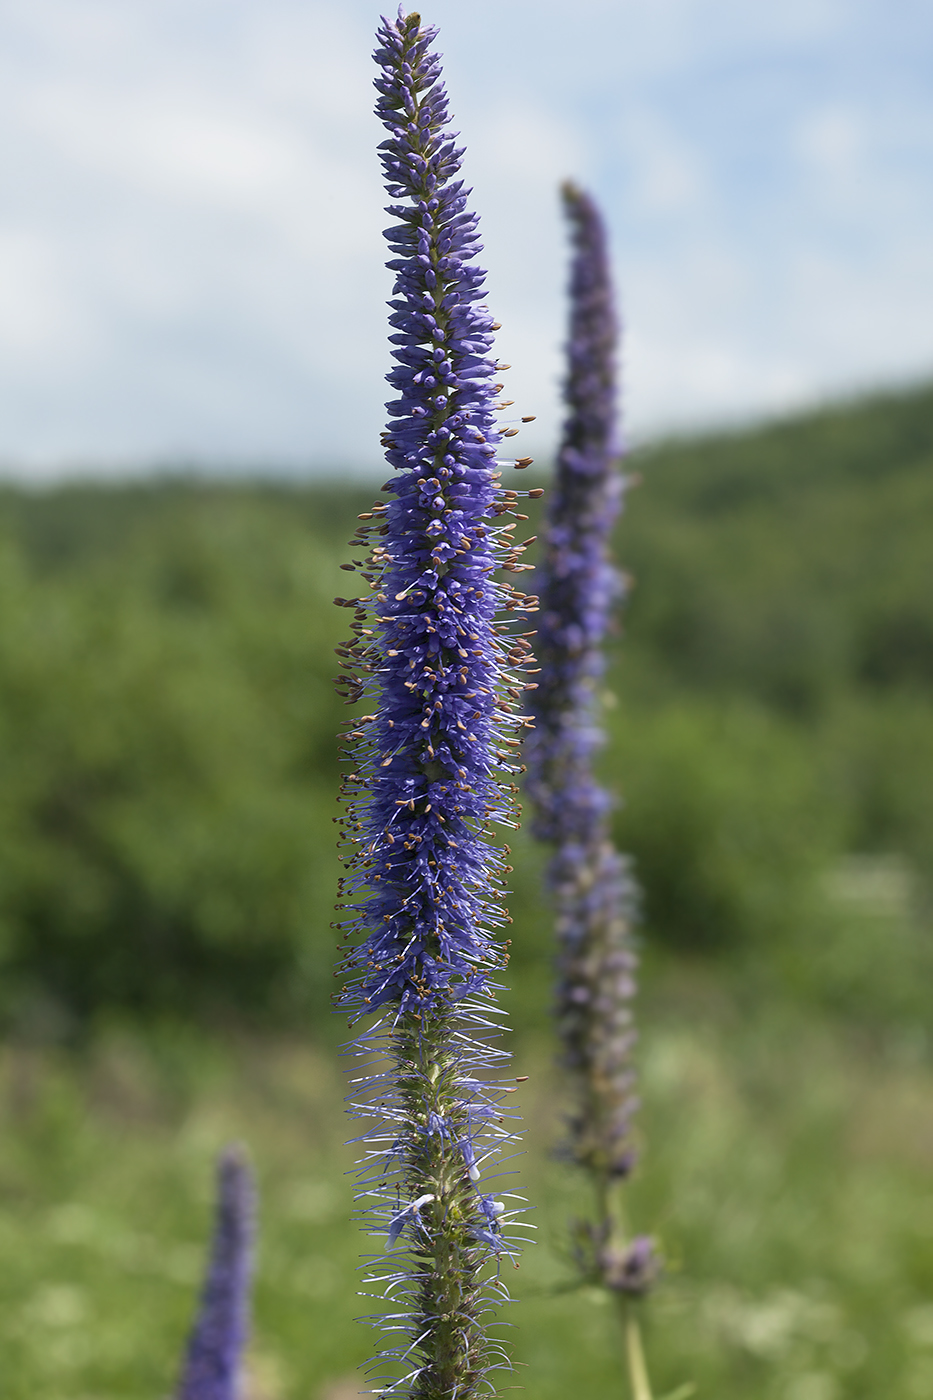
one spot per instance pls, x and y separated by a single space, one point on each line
593 889
213 1364
435 655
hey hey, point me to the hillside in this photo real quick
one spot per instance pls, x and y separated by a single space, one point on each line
791 560
168 761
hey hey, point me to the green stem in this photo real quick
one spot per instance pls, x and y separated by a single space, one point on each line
610 1213
634 1354
444 1264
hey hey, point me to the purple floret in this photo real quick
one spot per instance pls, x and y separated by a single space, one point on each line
632 1270
215 1351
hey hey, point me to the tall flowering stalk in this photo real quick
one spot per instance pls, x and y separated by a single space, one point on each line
593 889
213 1364
432 770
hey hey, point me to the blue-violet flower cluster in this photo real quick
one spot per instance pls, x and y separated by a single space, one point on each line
213 1364
432 769
594 892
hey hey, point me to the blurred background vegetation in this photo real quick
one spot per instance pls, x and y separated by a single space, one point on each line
167 869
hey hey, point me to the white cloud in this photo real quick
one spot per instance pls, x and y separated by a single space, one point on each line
190 260
37 324
832 141
171 147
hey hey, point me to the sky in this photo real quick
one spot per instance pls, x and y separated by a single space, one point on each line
191 267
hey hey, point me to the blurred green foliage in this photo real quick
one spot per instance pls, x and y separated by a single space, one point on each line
168 751
728 822
168 748
790 562
772 700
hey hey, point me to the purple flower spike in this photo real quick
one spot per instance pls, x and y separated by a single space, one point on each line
594 891
580 585
432 765
215 1352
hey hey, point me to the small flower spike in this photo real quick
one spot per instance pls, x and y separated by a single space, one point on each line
595 894
214 1359
436 652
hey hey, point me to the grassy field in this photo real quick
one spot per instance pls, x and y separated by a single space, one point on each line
786 1171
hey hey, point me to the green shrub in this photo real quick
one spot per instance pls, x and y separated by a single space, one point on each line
727 822
168 769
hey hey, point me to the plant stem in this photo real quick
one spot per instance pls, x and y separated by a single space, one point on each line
634 1354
